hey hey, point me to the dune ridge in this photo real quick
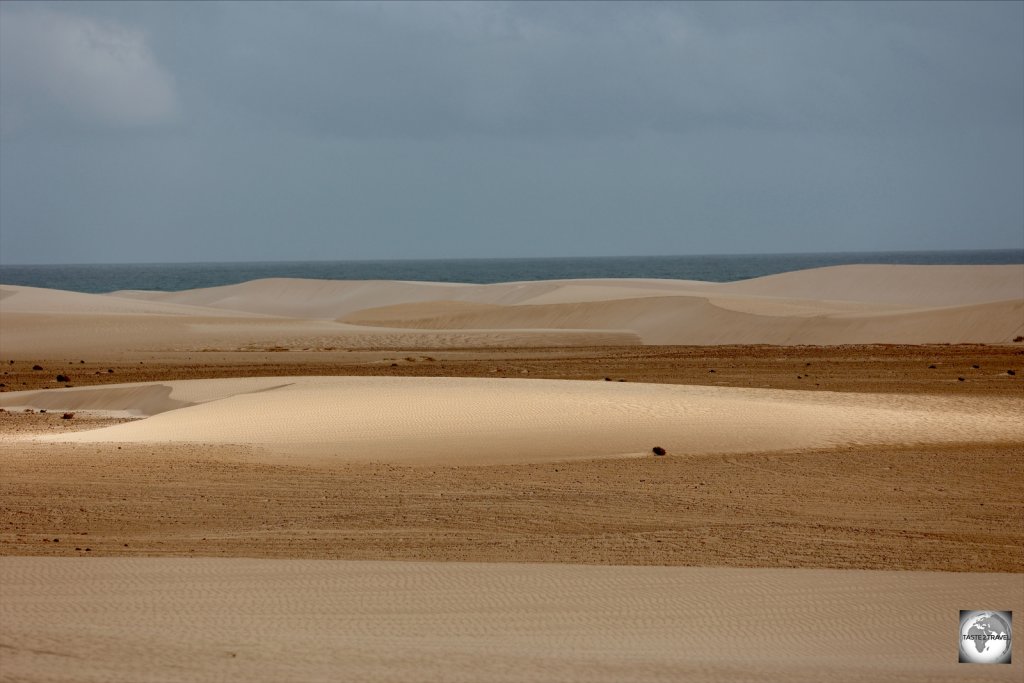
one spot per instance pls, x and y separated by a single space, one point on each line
486 421
823 306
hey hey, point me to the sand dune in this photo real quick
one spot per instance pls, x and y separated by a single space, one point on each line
106 619
838 305
914 286
698 320
482 421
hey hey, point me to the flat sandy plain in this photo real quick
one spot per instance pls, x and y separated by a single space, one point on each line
294 480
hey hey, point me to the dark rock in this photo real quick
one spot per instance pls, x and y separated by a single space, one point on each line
658 450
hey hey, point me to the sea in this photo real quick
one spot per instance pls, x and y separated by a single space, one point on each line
168 277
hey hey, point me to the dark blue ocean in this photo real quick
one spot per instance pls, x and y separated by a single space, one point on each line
179 276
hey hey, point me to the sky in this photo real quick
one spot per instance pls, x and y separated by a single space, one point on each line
189 132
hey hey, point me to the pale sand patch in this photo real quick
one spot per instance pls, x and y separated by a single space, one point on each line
106 619
480 421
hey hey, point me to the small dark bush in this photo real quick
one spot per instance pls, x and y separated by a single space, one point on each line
37 367
1018 338
658 450
931 367
63 378
1011 373
67 416
959 379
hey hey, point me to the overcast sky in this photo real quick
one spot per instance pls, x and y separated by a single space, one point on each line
146 132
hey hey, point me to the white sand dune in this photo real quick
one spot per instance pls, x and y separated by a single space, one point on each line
914 286
483 421
837 305
107 619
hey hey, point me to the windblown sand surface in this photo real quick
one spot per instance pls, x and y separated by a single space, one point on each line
318 423
837 305
155 620
482 421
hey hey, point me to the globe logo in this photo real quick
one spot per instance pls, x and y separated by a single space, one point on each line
985 637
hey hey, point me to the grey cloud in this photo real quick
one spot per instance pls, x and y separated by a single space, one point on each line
425 69
376 130
58 66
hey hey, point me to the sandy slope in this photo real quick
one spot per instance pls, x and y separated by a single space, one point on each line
452 420
106 619
838 305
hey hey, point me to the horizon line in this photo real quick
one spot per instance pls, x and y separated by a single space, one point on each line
519 258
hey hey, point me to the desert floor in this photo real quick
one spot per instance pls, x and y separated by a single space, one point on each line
951 507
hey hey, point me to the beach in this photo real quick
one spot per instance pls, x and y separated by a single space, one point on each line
435 481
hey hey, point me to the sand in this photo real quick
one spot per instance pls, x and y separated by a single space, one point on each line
206 619
488 421
822 513
837 305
